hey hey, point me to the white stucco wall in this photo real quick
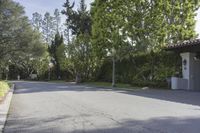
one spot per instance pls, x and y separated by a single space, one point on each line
191 71
185 68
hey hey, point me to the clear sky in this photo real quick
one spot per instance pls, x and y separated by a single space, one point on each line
42 6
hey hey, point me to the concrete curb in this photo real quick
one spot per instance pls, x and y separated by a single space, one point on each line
4 108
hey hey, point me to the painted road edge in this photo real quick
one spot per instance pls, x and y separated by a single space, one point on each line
4 108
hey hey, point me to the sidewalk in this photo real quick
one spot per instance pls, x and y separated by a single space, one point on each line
4 108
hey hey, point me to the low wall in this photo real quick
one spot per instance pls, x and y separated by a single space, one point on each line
179 83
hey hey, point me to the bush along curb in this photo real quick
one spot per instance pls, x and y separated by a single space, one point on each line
4 107
2 99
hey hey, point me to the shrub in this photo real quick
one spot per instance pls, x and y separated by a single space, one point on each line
4 87
151 84
145 69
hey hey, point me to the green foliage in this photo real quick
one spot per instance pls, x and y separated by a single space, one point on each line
142 69
151 84
47 25
12 23
80 57
133 33
78 21
146 25
54 53
130 28
68 12
108 84
61 55
4 87
20 44
107 28
33 54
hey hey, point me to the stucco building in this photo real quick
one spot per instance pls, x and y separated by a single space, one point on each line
190 53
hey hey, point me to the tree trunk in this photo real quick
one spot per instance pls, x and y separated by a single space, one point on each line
113 72
78 78
49 74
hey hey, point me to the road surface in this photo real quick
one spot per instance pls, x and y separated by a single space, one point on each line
39 107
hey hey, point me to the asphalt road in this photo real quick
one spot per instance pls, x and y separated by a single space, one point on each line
66 108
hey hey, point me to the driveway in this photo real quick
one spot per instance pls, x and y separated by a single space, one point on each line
39 107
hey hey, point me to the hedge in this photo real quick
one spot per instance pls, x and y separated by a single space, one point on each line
147 69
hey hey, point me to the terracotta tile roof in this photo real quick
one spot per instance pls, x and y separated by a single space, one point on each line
188 43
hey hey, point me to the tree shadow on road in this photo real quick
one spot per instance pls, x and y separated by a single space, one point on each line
178 96
64 124
35 87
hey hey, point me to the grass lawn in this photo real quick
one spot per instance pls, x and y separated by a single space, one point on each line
50 81
120 86
4 87
102 84
108 84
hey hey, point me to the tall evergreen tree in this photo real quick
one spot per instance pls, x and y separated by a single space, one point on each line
68 11
48 28
53 48
37 21
79 23
57 19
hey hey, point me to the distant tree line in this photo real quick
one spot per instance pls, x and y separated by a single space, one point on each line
119 40
117 31
20 45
